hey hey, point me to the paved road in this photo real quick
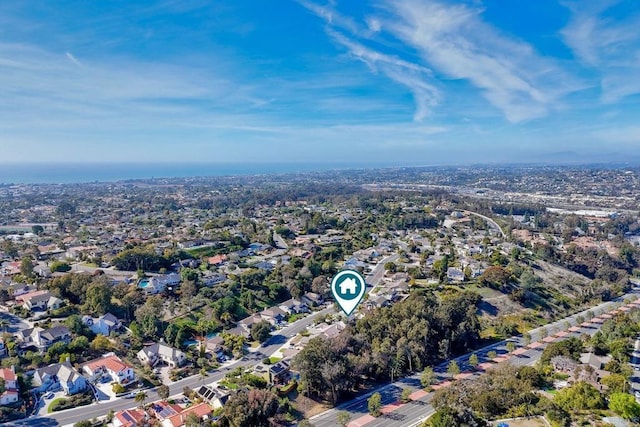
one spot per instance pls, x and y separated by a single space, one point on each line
280 242
267 349
420 409
490 221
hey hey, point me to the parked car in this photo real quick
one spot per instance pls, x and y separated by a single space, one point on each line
48 395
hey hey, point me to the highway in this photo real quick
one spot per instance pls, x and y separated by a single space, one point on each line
418 410
276 341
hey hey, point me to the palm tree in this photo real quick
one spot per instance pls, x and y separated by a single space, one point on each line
141 396
203 375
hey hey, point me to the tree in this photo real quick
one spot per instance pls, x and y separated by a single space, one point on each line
101 343
374 404
453 368
390 267
97 299
428 377
83 423
188 290
141 397
492 354
405 395
616 383
448 417
578 397
3 385
253 408
26 267
163 392
473 360
203 374
118 388
624 405
343 418
261 331
510 346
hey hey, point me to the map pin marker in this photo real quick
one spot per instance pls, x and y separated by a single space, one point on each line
348 287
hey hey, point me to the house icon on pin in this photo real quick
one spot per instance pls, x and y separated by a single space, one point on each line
348 286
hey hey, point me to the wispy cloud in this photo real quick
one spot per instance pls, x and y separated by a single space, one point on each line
456 42
417 78
610 46
73 59
413 76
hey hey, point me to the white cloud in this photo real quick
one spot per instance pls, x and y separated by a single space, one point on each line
73 59
411 75
454 40
610 46
458 44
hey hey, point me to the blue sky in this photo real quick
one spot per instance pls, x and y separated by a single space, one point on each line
388 82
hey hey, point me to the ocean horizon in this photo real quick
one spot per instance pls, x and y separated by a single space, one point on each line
71 173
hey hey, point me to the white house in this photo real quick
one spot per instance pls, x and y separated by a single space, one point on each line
59 376
109 365
39 301
12 392
160 352
102 325
157 284
44 338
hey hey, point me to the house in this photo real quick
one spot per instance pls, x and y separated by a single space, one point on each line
248 322
163 410
59 376
455 274
217 260
596 362
213 279
4 352
201 411
42 271
273 315
160 352
264 265
312 299
279 372
11 393
215 345
348 286
354 263
39 301
109 365
157 284
102 325
130 418
213 396
42 339
294 306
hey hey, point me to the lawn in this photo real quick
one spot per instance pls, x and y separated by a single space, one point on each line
51 404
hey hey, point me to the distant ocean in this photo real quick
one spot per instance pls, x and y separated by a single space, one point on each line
104 172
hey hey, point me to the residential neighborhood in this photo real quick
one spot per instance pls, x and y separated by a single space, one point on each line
106 303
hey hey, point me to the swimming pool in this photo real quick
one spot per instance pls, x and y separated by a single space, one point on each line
143 283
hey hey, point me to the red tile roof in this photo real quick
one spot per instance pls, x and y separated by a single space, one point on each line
112 363
7 374
199 410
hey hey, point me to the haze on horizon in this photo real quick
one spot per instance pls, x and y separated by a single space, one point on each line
390 81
